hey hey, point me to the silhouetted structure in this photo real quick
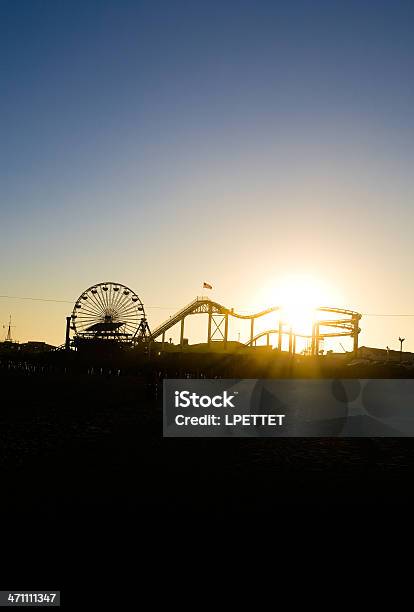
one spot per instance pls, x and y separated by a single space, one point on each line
401 344
9 328
347 324
108 315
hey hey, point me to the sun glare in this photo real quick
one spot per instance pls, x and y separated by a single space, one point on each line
298 298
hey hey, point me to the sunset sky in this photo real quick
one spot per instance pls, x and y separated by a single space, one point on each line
161 144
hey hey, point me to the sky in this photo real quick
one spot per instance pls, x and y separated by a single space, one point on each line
163 144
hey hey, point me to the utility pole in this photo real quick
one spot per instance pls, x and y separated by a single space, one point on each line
401 343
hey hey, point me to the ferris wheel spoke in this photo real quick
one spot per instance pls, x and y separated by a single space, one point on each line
118 306
88 311
128 309
117 299
88 307
99 298
127 301
109 295
88 315
96 302
128 314
87 321
104 293
124 300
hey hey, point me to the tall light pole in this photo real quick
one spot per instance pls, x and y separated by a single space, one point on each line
401 343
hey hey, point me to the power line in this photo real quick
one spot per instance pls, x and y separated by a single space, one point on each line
371 314
18 297
35 299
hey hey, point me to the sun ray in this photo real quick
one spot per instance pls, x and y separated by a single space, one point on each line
299 297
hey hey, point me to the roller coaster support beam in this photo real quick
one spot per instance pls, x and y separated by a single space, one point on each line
313 339
317 338
290 341
226 329
163 341
294 345
251 329
356 332
182 333
280 336
210 316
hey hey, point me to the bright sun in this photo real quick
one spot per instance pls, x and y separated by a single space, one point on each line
298 298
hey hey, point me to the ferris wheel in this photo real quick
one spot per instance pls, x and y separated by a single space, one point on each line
109 311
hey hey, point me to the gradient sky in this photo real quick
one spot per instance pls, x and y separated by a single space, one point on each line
160 144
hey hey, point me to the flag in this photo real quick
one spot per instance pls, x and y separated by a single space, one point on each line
207 286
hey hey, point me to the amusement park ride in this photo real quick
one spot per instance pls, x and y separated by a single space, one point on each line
112 313
107 312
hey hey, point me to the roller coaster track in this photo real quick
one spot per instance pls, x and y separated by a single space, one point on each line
269 332
203 305
217 312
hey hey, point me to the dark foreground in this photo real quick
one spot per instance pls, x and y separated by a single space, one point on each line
84 444
83 457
